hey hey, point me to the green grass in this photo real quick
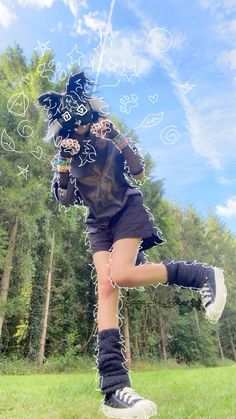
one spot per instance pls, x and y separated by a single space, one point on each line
180 393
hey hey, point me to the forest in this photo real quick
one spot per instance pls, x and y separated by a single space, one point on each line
47 281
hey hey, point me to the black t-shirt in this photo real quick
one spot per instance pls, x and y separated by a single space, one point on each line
98 175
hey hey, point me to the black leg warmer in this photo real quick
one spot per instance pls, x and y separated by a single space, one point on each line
190 274
113 373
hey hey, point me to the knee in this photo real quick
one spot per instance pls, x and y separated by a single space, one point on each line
121 276
105 286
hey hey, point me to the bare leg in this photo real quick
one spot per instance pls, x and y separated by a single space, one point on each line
108 295
124 273
114 379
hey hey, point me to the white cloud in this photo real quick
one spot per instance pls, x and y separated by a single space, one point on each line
212 127
96 21
224 181
126 48
76 5
224 27
36 3
6 16
229 210
211 131
229 6
79 28
229 57
92 23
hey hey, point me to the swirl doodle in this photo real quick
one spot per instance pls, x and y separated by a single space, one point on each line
170 135
24 129
159 40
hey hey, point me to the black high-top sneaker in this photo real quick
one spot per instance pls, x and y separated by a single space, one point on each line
207 280
126 403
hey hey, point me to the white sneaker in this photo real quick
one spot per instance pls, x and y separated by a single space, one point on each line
126 403
213 294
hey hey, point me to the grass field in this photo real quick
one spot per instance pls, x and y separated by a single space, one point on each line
180 393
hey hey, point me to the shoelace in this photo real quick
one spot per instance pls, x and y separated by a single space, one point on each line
128 395
206 294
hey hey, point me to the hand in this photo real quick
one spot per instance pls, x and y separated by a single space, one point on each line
69 147
104 129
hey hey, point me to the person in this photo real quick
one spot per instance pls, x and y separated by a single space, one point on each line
94 167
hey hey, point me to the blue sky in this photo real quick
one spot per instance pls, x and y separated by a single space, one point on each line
166 68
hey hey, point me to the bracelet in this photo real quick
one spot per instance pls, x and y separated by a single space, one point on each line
63 164
120 141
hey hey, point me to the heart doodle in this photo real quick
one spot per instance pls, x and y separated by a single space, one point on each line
37 153
153 98
27 79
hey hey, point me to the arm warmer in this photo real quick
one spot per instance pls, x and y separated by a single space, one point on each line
133 159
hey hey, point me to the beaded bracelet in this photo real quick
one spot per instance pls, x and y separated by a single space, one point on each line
120 141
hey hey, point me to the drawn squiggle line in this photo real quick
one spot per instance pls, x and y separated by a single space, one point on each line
110 85
104 42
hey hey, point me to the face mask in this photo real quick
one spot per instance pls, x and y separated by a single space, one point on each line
69 110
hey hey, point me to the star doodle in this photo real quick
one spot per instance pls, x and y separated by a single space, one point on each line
23 171
129 71
42 47
187 87
75 55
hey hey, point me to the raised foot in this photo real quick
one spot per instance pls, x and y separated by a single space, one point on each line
214 294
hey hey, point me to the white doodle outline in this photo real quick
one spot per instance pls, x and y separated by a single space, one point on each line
187 87
128 102
42 46
152 119
160 34
28 79
172 130
23 171
11 147
14 101
27 126
153 98
71 55
39 150
129 74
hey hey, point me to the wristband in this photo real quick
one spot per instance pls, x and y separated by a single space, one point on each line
120 141
63 164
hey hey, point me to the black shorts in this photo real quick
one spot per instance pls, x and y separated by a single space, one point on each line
131 221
